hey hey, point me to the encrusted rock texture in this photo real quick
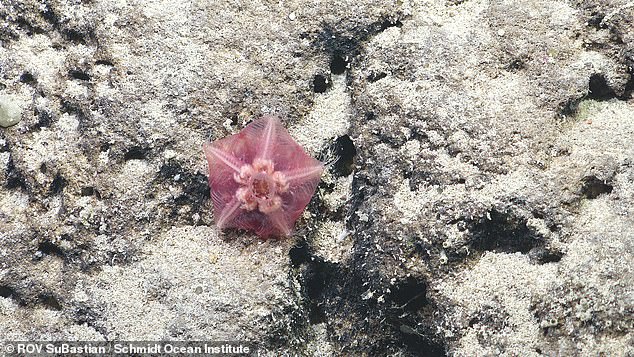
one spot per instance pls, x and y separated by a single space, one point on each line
478 198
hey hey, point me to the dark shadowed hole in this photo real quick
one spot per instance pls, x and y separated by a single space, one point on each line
595 20
74 35
410 294
49 248
10 293
58 184
44 118
344 151
421 345
27 77
87 191
15 179
501 232
136 153
318 277
6 292
49 301
515 65
85 315
72 108
104 63
592 187
390 23
599 88
299 254
338 64
50 16
77 74
320 83
196 188
375 76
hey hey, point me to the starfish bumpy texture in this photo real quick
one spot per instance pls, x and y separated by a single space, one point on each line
260 178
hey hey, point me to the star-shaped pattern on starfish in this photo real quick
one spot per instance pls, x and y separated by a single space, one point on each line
260 178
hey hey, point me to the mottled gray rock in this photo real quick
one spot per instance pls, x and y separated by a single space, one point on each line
478 201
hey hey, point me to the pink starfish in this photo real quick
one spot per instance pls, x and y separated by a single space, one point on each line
260 178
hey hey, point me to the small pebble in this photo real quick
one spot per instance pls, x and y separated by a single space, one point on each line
10 112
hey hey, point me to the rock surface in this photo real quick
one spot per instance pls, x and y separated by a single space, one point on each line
479 198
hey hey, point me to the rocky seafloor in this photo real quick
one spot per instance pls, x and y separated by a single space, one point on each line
479 196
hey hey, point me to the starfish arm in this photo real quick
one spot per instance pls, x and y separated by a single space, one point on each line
227 159
268 137
228 213
305 173
279 221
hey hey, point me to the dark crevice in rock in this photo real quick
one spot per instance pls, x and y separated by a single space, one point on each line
503 232
83 314
516 65
321 83
104 62
78 74
420 344
598 88
10 293
58 184
136 153
194 189
317 277
49 15
299 254
361 190
14 178
592 187
28 27
87 191
27 77
44 118
49 248
376 76
339 63
49 301
79 36
386 24
410 294
344 151
343 45
596 20
5 145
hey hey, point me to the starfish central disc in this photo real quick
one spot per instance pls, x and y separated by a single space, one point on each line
260 186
